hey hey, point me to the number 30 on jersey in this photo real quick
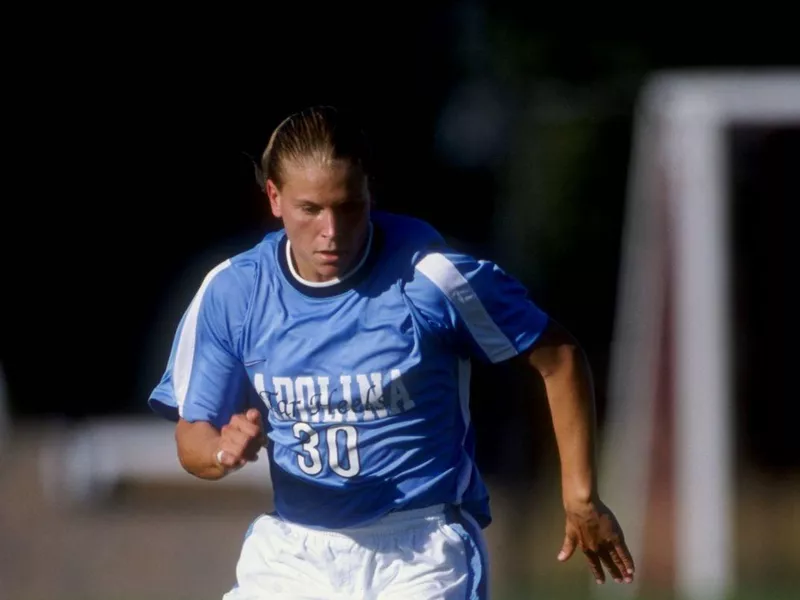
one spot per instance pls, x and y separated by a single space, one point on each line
340 445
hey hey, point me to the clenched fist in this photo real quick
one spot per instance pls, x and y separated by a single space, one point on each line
240 440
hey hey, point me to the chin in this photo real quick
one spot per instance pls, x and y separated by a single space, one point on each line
328 272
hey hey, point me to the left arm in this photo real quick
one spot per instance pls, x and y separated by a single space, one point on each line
564 368
562 364
478 308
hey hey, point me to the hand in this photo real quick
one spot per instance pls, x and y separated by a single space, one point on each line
594 528
240 440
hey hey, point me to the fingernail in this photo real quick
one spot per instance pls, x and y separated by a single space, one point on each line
561 555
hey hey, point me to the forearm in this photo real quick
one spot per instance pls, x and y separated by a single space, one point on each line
570 395
197 446
561 363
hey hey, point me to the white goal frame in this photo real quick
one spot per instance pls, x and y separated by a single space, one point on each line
677 222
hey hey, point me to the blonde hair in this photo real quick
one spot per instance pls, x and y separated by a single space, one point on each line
318 134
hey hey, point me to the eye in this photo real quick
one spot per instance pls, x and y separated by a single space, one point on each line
352 207
310 209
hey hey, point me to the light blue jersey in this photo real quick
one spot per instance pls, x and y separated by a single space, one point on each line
364 382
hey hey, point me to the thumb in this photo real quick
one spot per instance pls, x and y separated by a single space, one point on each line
253 416
567 548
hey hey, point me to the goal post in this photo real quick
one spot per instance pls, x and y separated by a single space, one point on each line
673 332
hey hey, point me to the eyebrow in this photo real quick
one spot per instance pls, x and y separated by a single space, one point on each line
307 202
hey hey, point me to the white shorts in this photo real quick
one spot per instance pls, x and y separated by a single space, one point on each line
436 553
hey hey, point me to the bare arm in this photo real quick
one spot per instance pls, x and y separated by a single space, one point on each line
590 525
237 443
197 447
562 364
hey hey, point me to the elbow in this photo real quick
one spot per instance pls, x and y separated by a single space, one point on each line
184 457
193 447
184 461
192 466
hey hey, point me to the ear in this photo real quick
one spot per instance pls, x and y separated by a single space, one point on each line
274 198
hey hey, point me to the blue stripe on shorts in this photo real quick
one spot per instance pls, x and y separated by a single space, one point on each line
477 559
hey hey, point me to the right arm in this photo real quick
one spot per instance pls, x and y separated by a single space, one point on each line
206 390
199 443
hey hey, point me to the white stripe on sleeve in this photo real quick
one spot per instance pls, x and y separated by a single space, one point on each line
452 283
184 355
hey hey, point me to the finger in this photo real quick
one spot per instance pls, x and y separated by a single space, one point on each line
619 564
234 458
235 440
595 566
226 459
240 448
608 558
244 440
240 423
626 558
567 548
254 416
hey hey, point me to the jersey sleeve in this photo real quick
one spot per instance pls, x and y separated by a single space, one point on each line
205 379
474 305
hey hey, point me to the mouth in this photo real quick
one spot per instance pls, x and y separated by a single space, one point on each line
331 255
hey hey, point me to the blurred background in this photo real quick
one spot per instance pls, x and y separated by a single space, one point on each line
647 204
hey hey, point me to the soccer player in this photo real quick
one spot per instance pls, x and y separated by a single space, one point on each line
342 343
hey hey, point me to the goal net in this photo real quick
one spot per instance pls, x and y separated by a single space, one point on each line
668 452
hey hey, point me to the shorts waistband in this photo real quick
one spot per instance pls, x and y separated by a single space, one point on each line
403 516
397 520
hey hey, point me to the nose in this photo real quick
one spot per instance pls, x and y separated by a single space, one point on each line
330 224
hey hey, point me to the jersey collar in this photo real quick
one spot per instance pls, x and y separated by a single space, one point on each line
334 287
